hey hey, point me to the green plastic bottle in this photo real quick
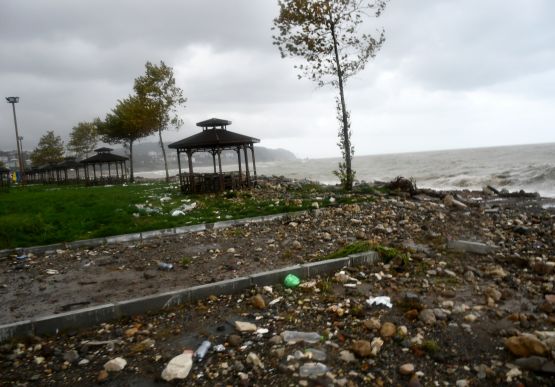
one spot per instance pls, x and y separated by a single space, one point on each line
291 281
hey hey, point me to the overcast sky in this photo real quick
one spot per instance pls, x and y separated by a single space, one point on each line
452 73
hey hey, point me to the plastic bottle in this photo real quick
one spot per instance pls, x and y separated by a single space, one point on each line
291 281
292 337
202 350
312 370
165 266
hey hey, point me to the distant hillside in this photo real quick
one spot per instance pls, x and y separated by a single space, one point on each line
148 156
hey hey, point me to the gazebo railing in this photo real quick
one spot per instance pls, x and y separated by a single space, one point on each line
212 182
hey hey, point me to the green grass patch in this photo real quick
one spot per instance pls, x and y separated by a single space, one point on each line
353 248
40 215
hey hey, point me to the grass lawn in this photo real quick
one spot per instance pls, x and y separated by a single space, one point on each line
40 215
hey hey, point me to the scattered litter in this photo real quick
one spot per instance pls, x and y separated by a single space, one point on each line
380 300
275 301
165 266
202 350
52 271
178 367
291 281
22 257
177 213
219 348
292 337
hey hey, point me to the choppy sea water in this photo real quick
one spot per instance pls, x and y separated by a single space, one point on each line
527 167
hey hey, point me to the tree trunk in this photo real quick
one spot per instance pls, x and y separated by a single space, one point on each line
346 139
164 155
131 177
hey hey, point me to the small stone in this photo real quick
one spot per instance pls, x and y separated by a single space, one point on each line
102 376
362 348
71 356
234 340
252 358
372 324
178 367
406 369
296 245
427 316
231 250
462 383
493 293
83 362
532 363
115 365
276 340
470 318
347 356
388 329
525 345
414 381
258 301
243 326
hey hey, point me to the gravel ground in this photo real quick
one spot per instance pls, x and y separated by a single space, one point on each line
457 318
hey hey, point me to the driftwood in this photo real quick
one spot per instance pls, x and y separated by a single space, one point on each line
402 184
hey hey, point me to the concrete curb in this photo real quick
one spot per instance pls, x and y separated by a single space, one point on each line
141 236
54 324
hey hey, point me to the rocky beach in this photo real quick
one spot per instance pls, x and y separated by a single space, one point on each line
469 276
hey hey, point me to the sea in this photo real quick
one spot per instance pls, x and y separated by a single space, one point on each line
521 167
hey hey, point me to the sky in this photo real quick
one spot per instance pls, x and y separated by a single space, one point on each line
451 74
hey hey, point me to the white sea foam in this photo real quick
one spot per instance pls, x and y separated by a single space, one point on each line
527 167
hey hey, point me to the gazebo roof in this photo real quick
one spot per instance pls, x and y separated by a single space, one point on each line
213 123
213 138
68 163
104 155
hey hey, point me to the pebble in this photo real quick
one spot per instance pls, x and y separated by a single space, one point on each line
102 376
115 365
178 367
244 326
525 345
427 316
347 356
388 329
258 302
406 369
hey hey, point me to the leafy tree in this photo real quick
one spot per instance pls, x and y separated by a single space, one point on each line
132 118
83 139
158 87
325 33
50 149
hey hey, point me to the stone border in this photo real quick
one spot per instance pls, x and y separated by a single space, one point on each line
54 324
141 236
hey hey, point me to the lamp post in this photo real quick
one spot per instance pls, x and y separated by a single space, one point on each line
13 101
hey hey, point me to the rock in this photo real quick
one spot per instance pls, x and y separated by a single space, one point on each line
493 292
496 272
470 318
347 356
362 348
231 250
550 298
462 383
115 365
296 245
388 329
258 302
406 369
525 345
244 326
71 356
532 363
102 376
276 340
178 367
372 324
252 358
234 340
427 316
414 381
376 345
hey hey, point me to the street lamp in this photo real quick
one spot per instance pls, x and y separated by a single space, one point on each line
13 101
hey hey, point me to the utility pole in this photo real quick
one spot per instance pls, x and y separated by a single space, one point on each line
13 101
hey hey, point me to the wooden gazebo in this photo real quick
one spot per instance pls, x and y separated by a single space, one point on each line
214 139
113 164
69 171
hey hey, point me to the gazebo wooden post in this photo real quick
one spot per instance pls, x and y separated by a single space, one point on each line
94 173
191 176
247 166
109 171
253 162
221 175
238 150
179 168
214 159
